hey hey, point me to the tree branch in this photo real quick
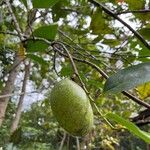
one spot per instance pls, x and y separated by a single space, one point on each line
135 99
78 143
109 12
63 141
15 20
16 120
10 33
13 94
12 75
81 82
133 11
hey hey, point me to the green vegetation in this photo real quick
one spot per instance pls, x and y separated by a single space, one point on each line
99 50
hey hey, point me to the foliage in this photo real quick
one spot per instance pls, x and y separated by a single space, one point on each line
99 45
128 78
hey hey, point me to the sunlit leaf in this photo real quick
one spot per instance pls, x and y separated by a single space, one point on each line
144 90
21 51
130 126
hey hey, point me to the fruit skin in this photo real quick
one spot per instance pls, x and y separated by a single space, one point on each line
71 107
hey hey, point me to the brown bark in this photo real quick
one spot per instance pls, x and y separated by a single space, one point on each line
63 141
78 143
8 89
16 120
148 146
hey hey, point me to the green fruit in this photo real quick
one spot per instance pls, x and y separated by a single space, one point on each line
71 107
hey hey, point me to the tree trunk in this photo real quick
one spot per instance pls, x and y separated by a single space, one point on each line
16 120
148 146
78 143
63 141
8 89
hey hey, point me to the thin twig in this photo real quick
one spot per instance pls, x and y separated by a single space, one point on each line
11 33
15 20
133 11
13 94
111 13
81 82
54 63
17 117
94 51
135 99
78 143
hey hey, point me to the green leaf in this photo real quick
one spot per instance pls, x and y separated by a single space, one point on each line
111 42
44 3
98 23
47 32
38 59
36 46
144 53
144 90
145 32
130 126
128 78
66 71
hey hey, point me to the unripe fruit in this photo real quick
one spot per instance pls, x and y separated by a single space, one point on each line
71 107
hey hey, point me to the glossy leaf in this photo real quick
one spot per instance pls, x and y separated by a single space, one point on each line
130 126
47 32
44 3
128 78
